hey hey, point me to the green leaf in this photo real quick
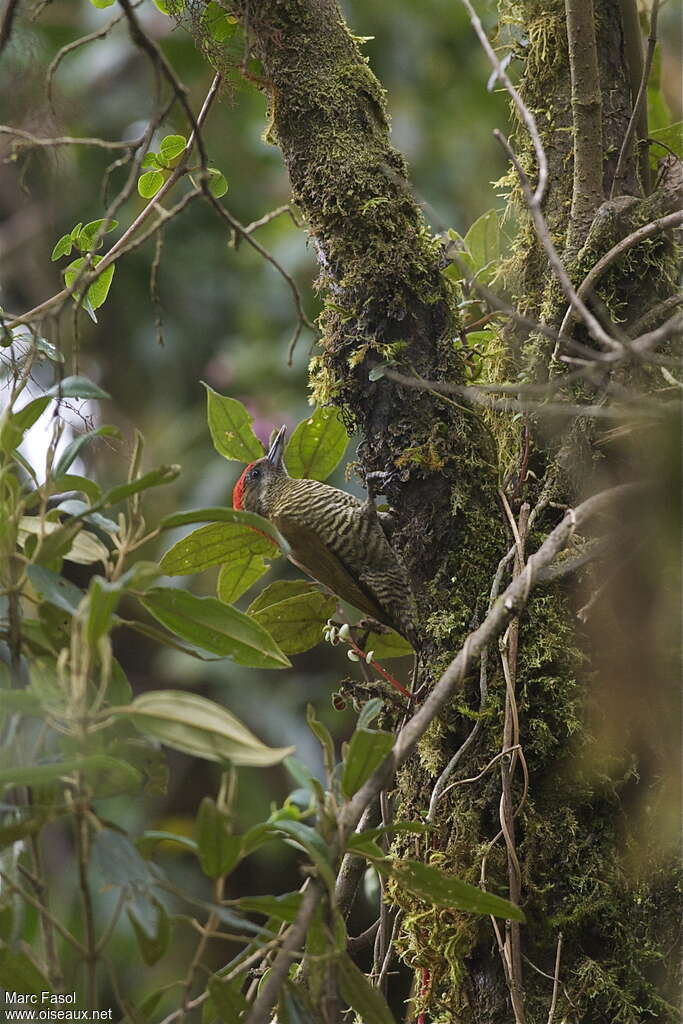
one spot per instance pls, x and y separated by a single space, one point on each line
155 478
231 430
317 445
672 137
102 772
439 889
282 908
171 148
118 861
297 623
153 932
103 597
215 627
219 851
314 845
76 507
388 645
62 248
72 482
364 998
52 587
97 293
214 544
149 183
323 735
366 751
281 590
18 973
227 999
235 578
86 237
369 712
101 4
483 246
151 838
218 184
225 515
72 450
26 417
199 727
76 387
218 22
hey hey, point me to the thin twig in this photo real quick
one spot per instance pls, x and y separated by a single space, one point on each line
577 304
556 979
524 112
655 227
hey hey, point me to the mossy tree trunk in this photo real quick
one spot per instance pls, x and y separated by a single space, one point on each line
387 299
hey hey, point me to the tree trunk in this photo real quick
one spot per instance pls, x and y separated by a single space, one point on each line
560 843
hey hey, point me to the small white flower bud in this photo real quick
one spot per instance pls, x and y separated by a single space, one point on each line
345 631
352 656
370 657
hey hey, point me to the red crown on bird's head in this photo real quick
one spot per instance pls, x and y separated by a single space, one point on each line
238 489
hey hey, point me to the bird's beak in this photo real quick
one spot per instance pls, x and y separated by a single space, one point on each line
276 453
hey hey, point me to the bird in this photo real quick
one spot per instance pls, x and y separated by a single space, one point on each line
334 537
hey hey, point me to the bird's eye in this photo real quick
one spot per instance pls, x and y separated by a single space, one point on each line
255 473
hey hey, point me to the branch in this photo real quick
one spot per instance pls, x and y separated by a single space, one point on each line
655 227
576 303
524 112
587 189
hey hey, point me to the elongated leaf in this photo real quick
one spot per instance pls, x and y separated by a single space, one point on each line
283 908
26 417
281 590
366 752
369 713
118 860
231 430
364 998
152 941
54 588
99 769
200 727
103 598
215 544
215 627
312 842
74 449
76 387
225 515
317 445
155 478
237 576
435 887
71 482
297 624
219 851
76 507
483 243
68 541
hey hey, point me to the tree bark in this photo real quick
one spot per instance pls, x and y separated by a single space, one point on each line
386 299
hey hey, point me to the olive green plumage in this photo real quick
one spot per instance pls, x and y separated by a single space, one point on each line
335 538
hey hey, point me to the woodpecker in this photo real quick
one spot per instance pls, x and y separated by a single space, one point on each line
335 538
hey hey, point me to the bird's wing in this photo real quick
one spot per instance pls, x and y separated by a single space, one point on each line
324 565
